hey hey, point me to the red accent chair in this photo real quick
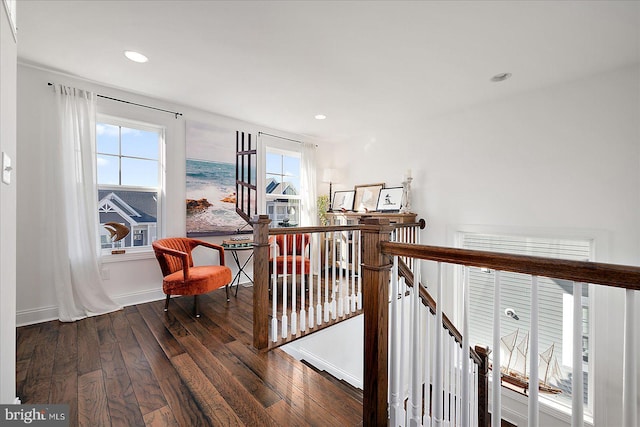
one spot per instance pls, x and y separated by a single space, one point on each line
301 261
181 277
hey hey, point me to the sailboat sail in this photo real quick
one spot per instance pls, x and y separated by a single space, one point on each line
507 344
522 351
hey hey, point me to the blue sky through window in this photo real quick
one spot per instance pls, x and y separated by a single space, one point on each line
127 156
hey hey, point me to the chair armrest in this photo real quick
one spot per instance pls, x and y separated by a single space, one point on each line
219 248
178 254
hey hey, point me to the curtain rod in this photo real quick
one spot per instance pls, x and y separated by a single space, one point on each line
175 113
282 137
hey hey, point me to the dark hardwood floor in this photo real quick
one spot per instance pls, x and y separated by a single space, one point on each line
140 366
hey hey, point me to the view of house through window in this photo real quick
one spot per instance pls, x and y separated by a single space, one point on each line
555 311
129 184
282 190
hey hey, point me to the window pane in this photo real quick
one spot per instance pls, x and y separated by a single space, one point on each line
107 170
139 173
125 207
107 138
273 184
291 186
140 143
291 166
274 163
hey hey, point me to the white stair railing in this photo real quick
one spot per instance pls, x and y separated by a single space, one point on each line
448 389
316 280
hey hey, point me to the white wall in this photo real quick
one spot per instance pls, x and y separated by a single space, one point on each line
136 279
8 54
559 160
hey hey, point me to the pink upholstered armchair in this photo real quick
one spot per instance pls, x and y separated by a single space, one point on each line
181 277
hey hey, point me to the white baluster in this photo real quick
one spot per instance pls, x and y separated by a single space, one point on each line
629 381
326 278
359 270
334 279
274 291
464 410
474 402
404 343
294 285
303 285
438 366
415 399
496 413
533 355
394 354
285 317
314 259
354 262
447 378
577 387
342 266
427 364
319 282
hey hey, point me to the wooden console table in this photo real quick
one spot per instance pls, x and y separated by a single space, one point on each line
350 218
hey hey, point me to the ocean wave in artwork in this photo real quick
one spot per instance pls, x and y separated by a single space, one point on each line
215 183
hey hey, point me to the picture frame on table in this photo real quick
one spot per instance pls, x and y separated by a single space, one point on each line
366 197
342 200
390 199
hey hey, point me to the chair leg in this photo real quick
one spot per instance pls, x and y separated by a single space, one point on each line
196 309
166 304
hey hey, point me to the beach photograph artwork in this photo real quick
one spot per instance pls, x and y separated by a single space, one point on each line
211 181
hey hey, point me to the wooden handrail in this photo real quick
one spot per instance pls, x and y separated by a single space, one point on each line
330 228
620 276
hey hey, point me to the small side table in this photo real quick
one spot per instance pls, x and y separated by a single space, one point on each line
241 266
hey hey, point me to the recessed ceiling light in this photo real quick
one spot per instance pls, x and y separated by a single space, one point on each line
135 56
320 116
500 77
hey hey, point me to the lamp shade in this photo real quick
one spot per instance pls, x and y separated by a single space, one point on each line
329 175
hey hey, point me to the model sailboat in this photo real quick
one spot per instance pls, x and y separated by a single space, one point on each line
515 370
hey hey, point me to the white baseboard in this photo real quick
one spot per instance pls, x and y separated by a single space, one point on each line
139 297
45 314
36 315
323 365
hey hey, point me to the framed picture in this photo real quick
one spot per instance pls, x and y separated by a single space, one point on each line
211 181
366 197
342 200
390 199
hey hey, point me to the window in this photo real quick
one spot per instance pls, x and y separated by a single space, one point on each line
555 308
282 187
129 180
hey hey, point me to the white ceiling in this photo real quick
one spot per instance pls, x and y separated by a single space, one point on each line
366 65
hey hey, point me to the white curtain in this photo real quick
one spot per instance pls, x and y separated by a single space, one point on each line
308 184
73 199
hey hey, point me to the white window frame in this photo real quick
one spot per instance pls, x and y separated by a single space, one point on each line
138 252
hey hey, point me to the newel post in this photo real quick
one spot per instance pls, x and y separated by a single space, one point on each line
483 387
261 281
375 283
